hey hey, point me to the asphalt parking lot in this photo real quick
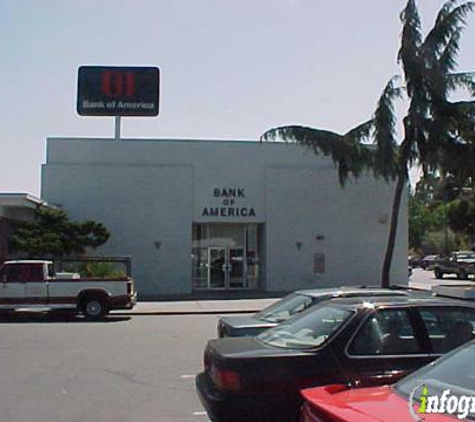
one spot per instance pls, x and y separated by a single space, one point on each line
130 367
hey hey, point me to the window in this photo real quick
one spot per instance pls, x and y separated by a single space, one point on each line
453 372
387 332
11 273
448 328
285 308
308 331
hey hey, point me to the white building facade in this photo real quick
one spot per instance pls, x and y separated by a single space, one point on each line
199 215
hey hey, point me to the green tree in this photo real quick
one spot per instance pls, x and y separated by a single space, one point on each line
461 217
434 127
52 234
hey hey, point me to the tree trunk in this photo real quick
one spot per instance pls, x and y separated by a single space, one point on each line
401 183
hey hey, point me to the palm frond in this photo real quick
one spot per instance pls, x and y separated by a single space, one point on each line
445 10
361 133
450 20
349 155
447 60
463 80
411 40
300 134
385 130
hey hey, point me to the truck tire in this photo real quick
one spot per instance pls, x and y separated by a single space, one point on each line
462 275
93 307
438 273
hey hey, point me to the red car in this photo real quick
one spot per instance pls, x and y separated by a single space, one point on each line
452 376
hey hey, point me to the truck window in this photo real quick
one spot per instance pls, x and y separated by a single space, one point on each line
12 274
51 273
35 273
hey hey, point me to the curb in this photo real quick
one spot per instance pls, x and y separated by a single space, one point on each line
198 312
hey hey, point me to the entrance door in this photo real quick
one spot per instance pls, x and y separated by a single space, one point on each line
226 268
217 268
225 256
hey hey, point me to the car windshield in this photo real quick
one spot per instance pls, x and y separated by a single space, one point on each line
455 371
285 308
308 331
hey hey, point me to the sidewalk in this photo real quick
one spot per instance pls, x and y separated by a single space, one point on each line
198 307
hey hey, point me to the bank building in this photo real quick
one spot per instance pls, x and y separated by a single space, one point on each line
228 217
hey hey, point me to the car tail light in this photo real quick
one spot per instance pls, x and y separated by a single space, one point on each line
130 288
226 380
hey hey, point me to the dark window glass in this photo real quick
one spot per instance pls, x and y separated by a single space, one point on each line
448 328
13 273
386 332
36 272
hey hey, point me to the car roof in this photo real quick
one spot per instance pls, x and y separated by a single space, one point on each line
29 261
343 291
355 303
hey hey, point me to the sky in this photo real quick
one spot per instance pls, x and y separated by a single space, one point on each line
230 69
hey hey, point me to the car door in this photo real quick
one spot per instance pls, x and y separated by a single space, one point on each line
35 285
12 288
387 346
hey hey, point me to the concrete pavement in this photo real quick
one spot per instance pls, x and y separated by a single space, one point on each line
421 280
199 307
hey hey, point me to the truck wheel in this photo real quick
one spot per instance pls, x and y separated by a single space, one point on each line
462 275
438 273
94 308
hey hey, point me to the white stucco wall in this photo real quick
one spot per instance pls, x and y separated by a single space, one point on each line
149 192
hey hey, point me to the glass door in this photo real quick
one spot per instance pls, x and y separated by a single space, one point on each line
235 268
217 268
226 256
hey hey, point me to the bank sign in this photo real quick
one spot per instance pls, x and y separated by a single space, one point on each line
231 204
118 91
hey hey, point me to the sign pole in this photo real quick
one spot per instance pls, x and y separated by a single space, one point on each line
117 128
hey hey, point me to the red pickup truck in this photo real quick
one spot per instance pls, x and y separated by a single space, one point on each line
33 284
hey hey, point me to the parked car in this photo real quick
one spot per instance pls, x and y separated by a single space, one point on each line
414 261
461 263
400 402
291 305
428 262
364 342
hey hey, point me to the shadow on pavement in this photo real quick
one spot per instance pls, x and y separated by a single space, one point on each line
54 317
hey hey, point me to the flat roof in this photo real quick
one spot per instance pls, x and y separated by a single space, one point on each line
13 204
15 199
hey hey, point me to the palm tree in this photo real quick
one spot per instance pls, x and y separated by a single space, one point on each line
434 128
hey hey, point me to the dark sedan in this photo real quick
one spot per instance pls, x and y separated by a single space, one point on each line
360 342
291 305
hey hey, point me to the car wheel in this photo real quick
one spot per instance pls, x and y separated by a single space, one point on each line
462 275
438 273
94 308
